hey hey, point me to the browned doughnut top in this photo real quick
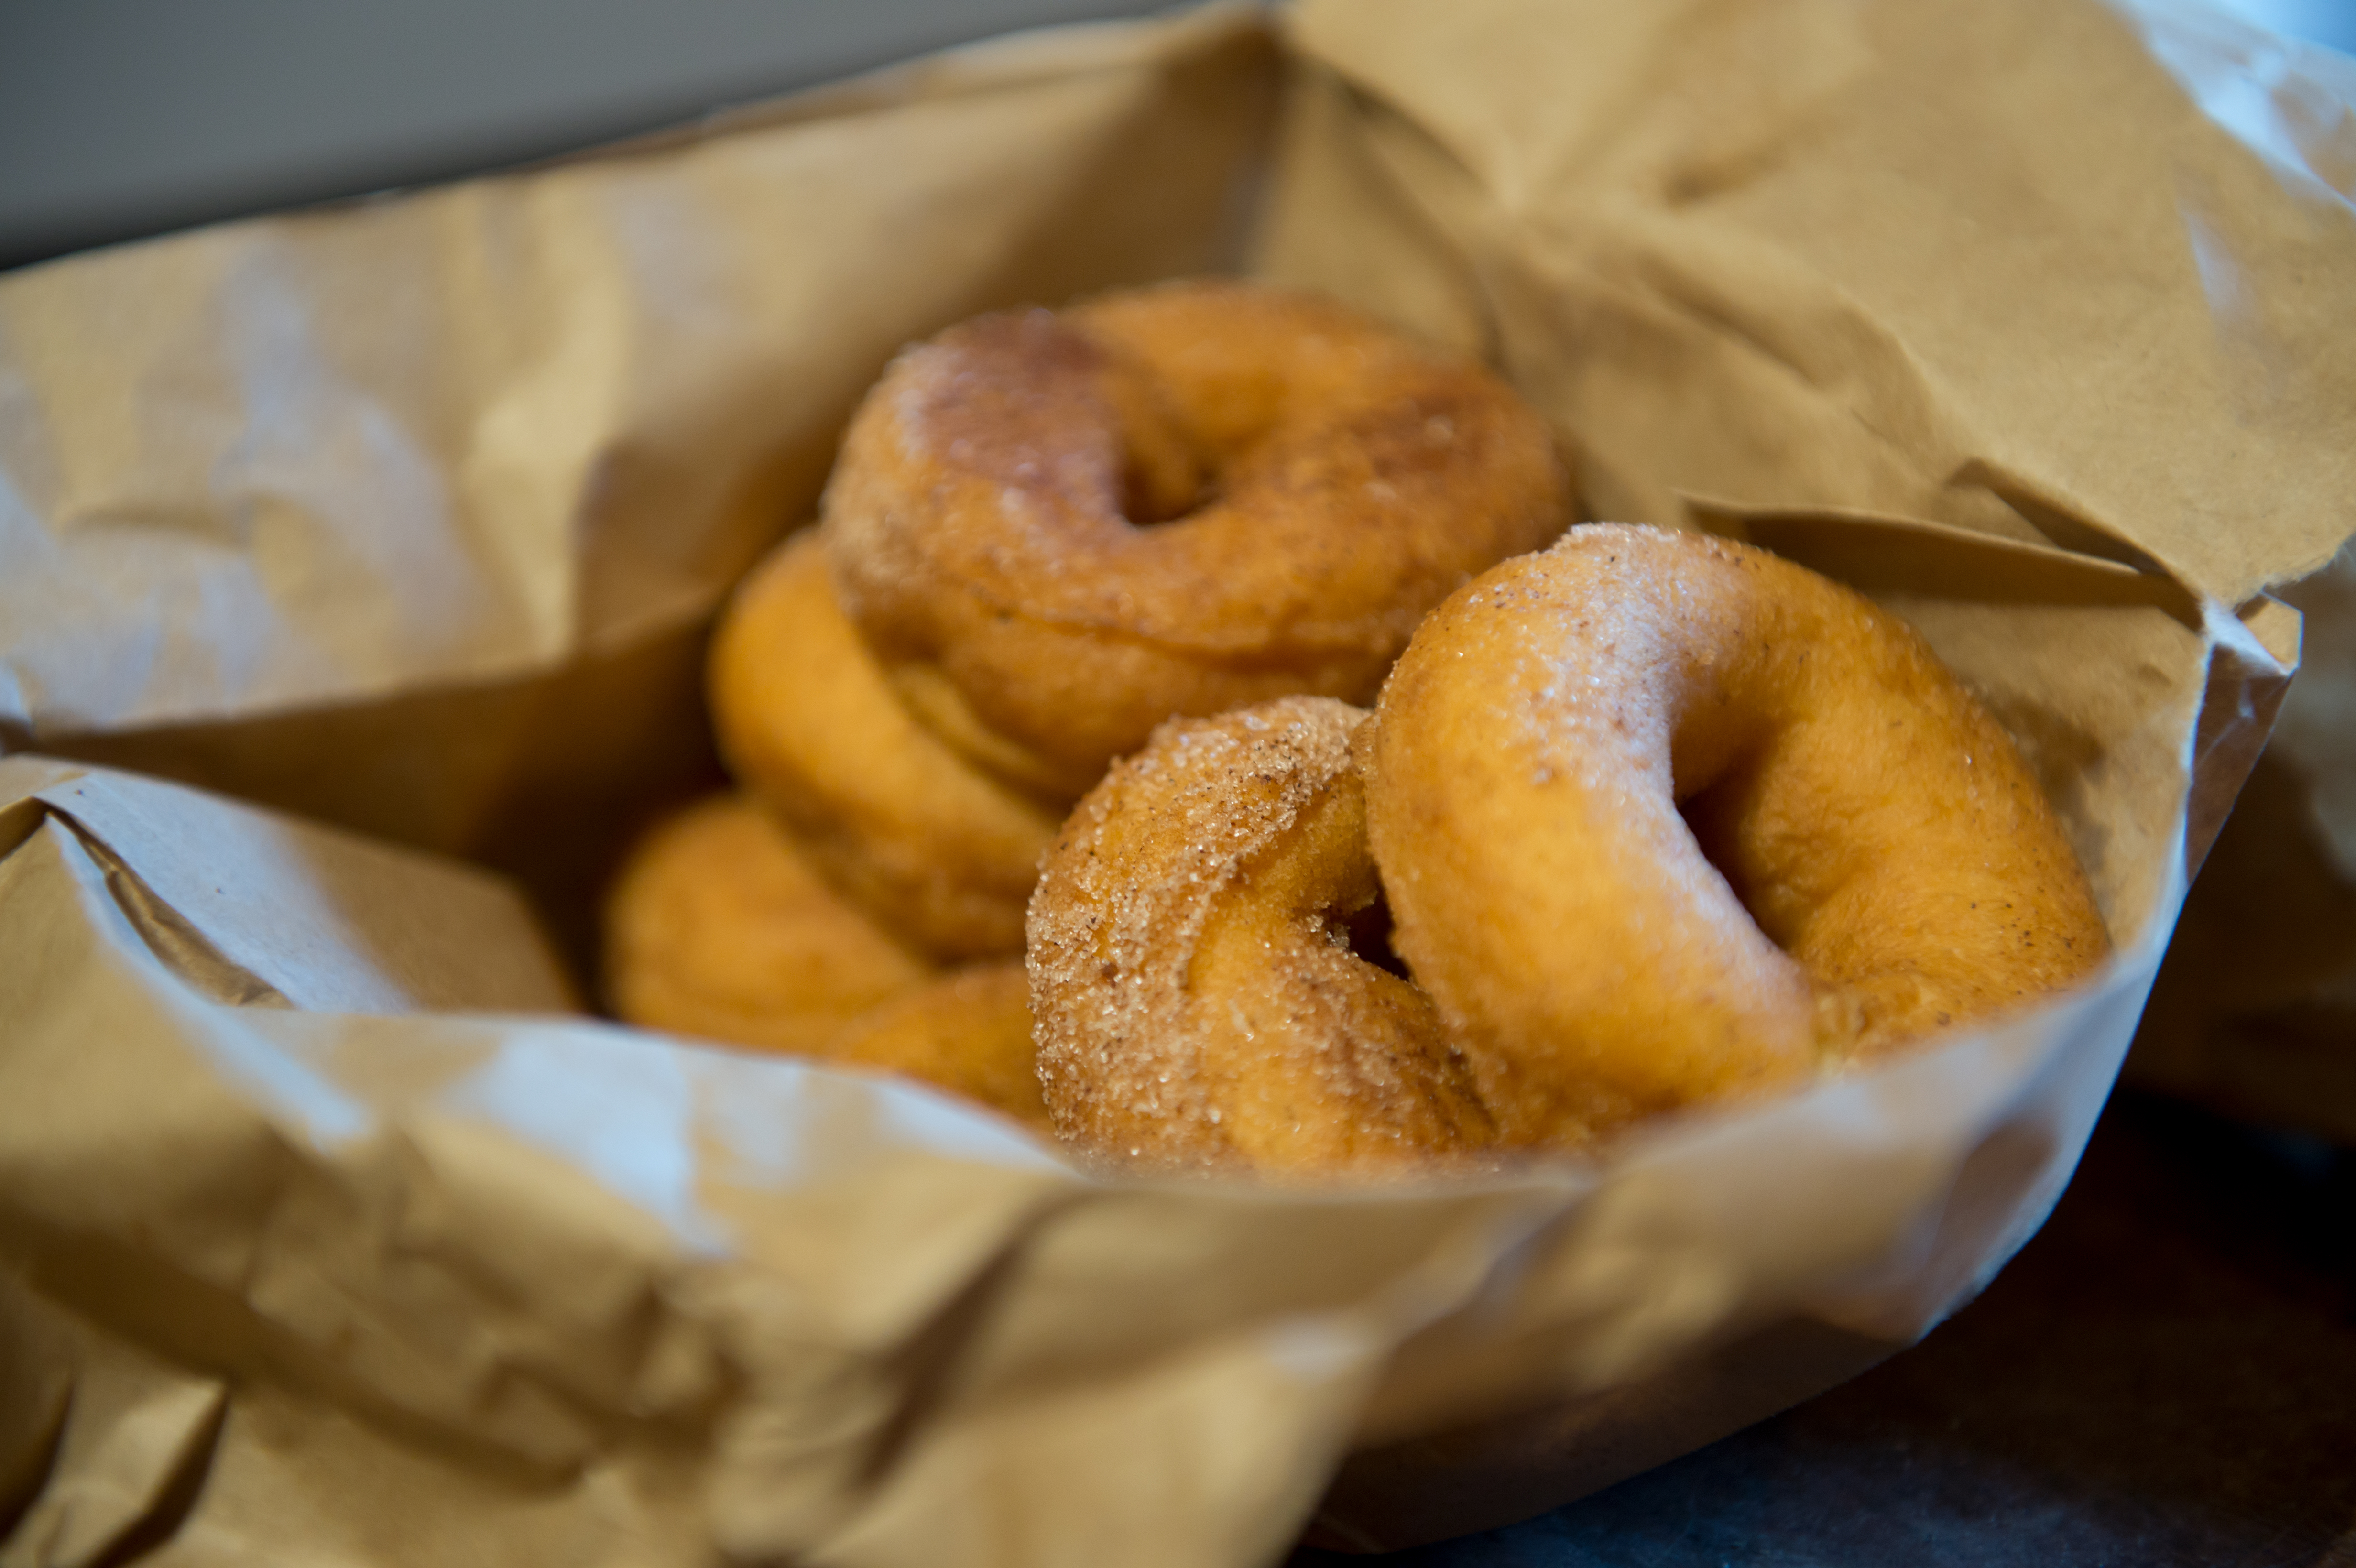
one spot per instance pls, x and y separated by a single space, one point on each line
1179 500
1199 1004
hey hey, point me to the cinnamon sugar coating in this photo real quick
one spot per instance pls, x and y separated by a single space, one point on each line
1062 528
1197 1004
1869 859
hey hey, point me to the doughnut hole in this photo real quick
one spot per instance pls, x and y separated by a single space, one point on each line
1321 1058
1365 933
1165 473
1909 908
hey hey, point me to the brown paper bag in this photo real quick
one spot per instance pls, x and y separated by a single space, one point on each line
408 516
411 515
2254 1012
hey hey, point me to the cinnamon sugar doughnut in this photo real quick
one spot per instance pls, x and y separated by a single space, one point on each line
940 850
1881 863
1058 531
719 926
1197 1003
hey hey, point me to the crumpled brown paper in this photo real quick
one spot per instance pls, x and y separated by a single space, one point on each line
1984 264
2256 1011
408 515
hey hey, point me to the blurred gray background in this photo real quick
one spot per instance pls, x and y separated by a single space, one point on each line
120 118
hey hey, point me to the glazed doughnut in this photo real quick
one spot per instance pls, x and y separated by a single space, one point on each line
1058 531
940 850
1199 1004
968 1032
720 927
1880 864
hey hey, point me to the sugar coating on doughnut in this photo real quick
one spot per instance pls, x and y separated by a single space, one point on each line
938 849
719 926
1175 501
1197 1004
1665 819
968 1032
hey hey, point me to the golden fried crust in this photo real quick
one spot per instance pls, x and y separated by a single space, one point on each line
968 1032
938 849
1527 763
719 926
1199 1004
1176 501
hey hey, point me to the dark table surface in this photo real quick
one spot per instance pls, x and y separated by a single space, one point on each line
2166 1375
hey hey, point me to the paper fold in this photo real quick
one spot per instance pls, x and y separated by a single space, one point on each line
1985 265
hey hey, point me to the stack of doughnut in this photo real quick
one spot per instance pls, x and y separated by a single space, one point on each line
1652 820
1402 841
1046 534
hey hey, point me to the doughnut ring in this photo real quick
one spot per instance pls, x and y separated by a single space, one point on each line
1869 858
720 927
1199 1004
968 1032
941 850
1057 531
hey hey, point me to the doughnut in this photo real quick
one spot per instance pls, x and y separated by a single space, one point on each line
1658 820
1057 530
719 927
1663 819
940 850
1198 1004
968 1032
